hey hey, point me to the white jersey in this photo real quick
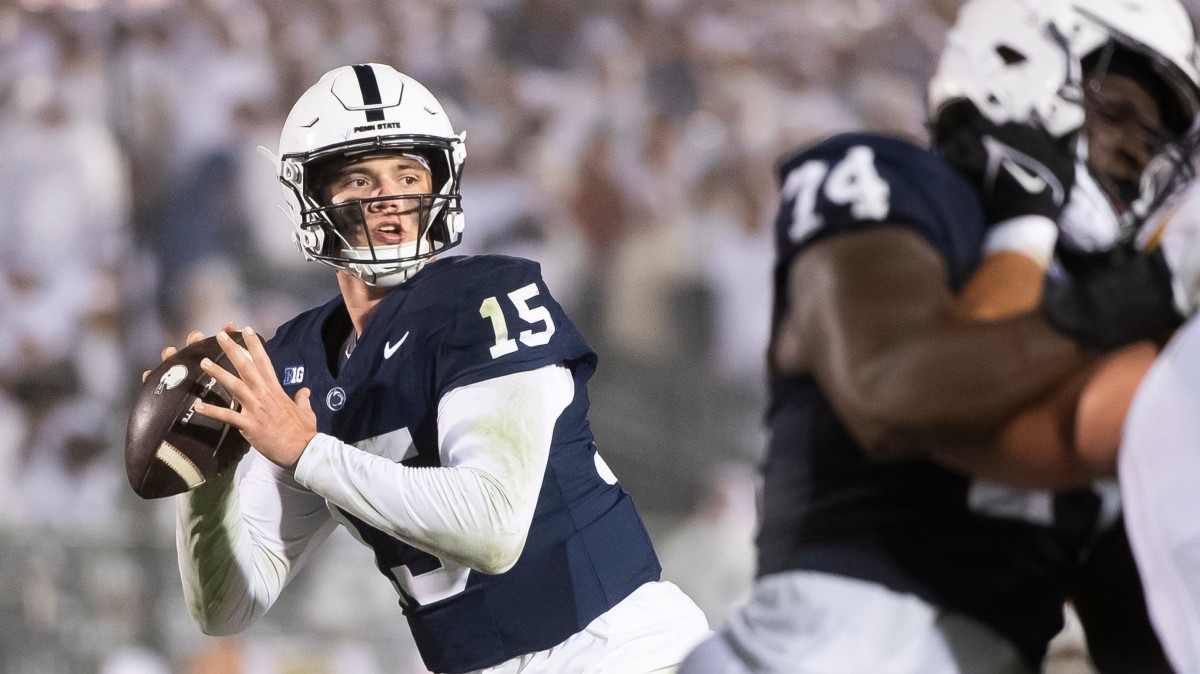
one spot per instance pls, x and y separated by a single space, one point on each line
1158 468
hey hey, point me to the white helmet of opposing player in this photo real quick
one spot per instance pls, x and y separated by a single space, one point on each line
1025 61
354 111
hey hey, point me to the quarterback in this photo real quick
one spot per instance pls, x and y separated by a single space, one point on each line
438 410
926 422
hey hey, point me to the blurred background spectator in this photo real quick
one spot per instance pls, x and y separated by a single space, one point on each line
628 145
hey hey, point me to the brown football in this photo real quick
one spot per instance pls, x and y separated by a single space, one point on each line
169 448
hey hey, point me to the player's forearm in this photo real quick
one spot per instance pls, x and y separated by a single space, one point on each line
1069 438
1036 450
454 513
952 385
1006 284
872 318
494 439
213 547
238 548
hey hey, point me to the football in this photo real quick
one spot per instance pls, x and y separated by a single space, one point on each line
169 448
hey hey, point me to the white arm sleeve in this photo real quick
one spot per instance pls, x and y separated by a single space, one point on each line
239 544
494 439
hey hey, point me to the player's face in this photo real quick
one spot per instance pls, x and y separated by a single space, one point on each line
392 217
1122 133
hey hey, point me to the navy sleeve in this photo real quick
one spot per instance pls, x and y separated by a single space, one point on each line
504 321
852 182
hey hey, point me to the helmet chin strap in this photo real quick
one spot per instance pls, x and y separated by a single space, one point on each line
386 274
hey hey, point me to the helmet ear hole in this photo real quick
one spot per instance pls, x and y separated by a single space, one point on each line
310 241
447 229
1009 55
291 172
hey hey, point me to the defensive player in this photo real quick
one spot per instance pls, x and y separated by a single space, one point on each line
893 539
438 410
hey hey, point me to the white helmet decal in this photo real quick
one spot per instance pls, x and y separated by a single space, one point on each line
369 108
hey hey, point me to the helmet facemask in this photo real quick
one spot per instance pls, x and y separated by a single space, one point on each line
348 234
1170 144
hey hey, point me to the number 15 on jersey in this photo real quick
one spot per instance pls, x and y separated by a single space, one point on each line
535 316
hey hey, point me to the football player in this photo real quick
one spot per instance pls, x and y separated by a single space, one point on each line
921 412
437 409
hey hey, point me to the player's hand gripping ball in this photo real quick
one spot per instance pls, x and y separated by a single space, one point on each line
169 447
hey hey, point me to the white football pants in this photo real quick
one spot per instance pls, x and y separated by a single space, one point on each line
648 632
805 622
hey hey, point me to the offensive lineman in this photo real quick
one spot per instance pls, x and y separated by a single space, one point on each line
895 535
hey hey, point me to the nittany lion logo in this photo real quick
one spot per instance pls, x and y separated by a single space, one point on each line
171 378
336 399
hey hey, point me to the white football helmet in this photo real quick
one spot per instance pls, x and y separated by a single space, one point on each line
1024 61
356 110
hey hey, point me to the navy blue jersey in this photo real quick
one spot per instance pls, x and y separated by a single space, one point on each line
460 321
997 553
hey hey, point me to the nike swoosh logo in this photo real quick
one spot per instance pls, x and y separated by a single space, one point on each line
390 349
1027 171
1028 181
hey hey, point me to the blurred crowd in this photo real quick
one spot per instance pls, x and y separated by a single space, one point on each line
627 145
